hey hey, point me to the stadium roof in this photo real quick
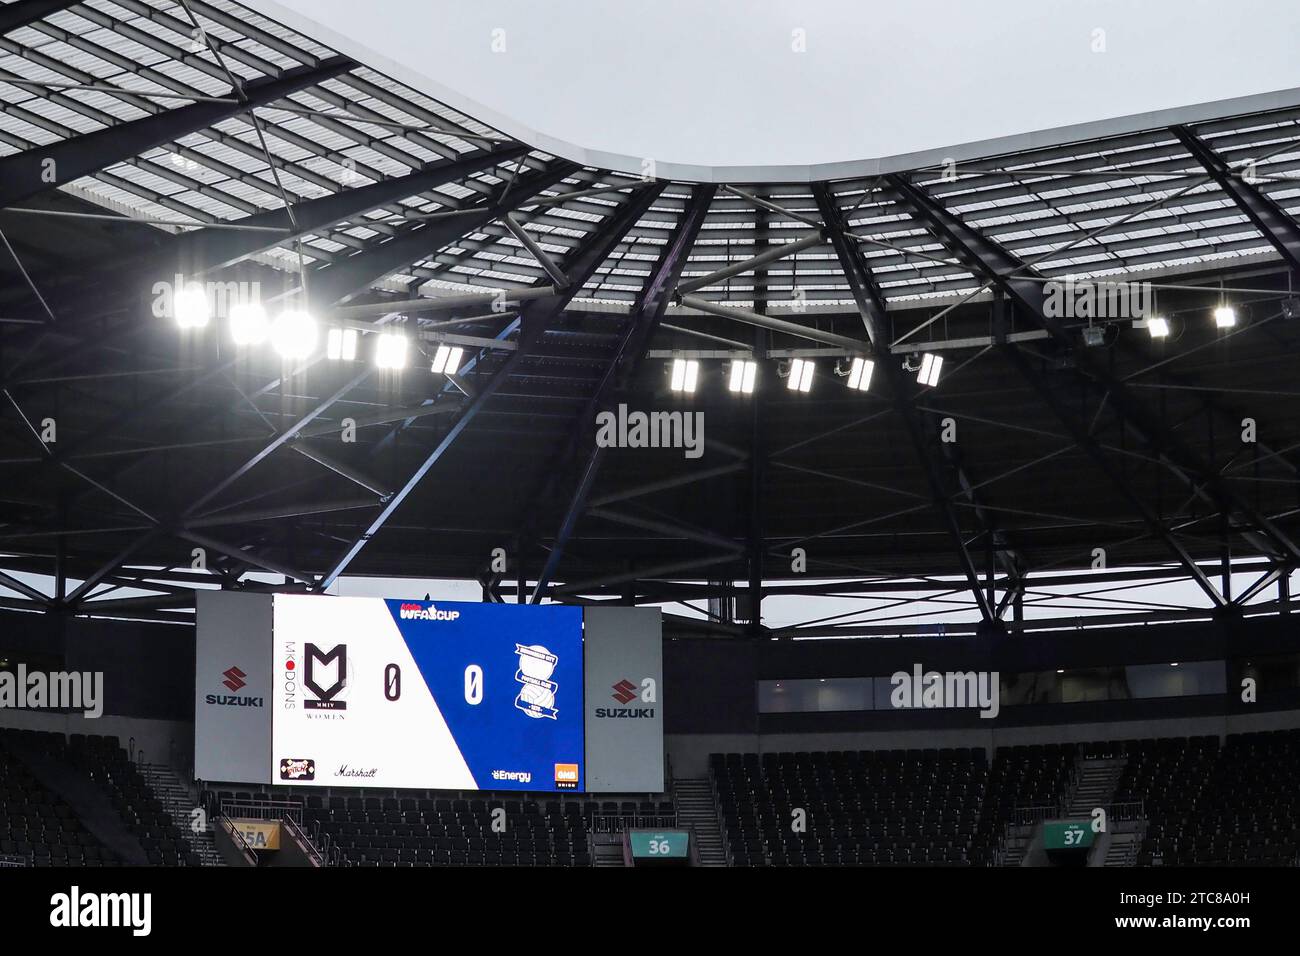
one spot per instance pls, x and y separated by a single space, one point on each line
140 140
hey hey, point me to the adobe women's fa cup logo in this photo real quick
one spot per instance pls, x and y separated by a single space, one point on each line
537 696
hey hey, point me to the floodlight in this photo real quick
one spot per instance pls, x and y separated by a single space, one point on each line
248 325
293 335
742 378
928 374
390 351
801 375
1225 316
341 344
686 373
190 306
447 360
1158 327
860 374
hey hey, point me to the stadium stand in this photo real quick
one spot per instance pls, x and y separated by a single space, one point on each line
36 825
105 761
1208 805
438 828
861 808
1204 805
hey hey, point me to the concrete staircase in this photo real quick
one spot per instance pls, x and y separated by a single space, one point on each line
1124 845
697 810
180 801
1016 844
607 849
1095 786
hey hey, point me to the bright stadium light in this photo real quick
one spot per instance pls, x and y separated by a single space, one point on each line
248 325
928 374
1158 327
341 345
446 361
293 335
742 377
860 374
801 375
686 374
190 306
390 351
1225 316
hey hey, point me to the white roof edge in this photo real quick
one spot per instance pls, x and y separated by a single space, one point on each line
819 172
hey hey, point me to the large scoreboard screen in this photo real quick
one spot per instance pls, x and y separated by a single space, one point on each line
451 696
314 690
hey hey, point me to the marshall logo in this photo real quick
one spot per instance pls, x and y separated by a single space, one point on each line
325 695
291 769
348 771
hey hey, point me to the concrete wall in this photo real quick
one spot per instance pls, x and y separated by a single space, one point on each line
162 741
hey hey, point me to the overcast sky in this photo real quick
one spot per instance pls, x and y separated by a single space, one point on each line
785 83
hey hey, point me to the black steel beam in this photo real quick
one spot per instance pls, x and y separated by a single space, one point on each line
207 249
24 12
1083 438
14 584
38 170
534 319
284 436
346 277
644 317
871 306
1269 218
985 257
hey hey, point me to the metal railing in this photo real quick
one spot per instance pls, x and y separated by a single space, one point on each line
1028 816
324 841
262 809
298 833
1116 810
618 823
722 821
237 837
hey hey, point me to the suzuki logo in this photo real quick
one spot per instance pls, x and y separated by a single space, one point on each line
234 678
624 691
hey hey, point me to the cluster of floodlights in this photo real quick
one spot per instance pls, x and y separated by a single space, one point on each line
293 335
684 375
1225 317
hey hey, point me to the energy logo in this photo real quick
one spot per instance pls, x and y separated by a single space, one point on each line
537 696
